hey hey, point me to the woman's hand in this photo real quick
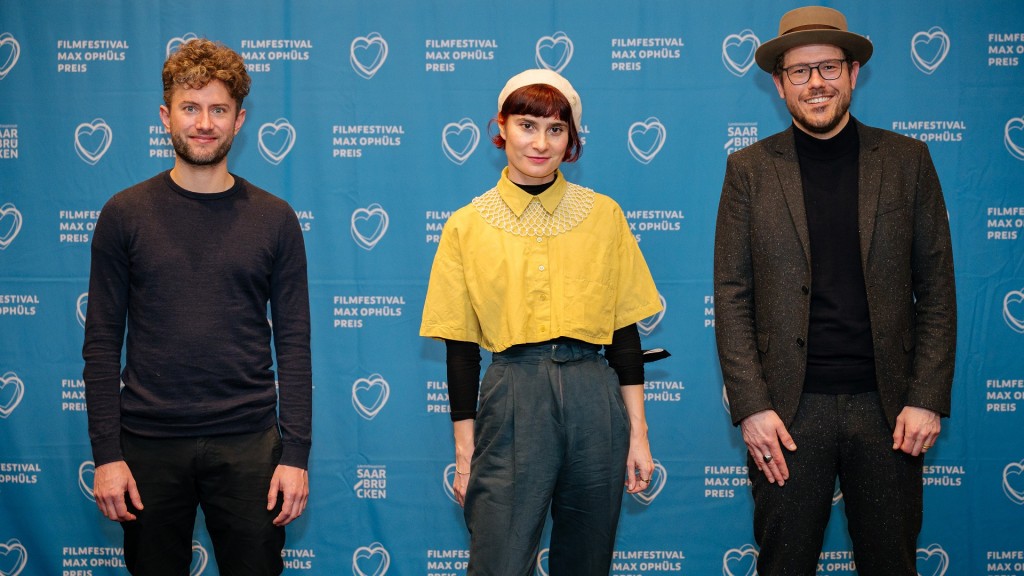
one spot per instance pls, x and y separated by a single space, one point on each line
464 445
639 463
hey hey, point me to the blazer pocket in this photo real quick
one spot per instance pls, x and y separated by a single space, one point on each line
891 204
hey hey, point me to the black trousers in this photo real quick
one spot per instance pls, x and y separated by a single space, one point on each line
844 436
229 476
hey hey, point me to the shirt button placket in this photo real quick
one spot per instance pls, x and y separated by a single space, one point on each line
541 287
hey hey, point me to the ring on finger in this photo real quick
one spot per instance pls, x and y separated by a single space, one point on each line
767 458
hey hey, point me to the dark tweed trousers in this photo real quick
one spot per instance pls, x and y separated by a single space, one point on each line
845 437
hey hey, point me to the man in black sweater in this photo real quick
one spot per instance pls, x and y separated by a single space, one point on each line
189 261
835 310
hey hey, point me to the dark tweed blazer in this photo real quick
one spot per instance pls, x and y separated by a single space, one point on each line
762 275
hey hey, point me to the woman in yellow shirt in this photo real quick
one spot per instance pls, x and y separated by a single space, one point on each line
542 273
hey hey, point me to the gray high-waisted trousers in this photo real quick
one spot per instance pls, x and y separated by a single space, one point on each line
551 430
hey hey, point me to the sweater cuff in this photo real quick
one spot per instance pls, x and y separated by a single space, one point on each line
295 455
106 451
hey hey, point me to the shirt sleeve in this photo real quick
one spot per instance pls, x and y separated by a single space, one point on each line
636 295
104 335
289 306
447 310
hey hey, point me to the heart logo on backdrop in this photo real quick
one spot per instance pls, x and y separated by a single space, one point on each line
459 140
13 558
9 45
738 51
14 389
367 54
174 43
554 52
647 325
199 559
837 496
542 562
369 225
10 224
1013 482
272 146
1011 301
658 479
372 560
369 395
929 49
740 561
86 476
1012 137
80 307
934 559
646 139
92 140
449 481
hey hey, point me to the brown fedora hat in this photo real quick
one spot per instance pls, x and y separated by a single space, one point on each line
812 25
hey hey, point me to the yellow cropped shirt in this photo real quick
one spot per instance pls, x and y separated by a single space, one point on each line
513 268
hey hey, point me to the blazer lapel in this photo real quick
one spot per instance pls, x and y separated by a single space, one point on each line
787 167
870 189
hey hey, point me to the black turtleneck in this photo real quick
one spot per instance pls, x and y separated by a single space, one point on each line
840 356
535 189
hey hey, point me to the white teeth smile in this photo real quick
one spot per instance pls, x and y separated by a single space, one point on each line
818 100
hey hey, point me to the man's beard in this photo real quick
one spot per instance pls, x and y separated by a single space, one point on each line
181 148
821 126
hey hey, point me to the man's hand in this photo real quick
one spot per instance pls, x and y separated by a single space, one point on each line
917 429
763 432
110 483
293 484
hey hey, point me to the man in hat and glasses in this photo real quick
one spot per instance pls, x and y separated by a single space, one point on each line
835 310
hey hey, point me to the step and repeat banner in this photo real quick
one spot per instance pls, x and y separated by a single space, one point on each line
373 119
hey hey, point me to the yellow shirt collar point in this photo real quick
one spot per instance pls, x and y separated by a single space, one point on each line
518 199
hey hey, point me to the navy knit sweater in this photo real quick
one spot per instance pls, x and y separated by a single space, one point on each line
192 275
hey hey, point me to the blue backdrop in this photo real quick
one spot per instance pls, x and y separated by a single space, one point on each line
371 119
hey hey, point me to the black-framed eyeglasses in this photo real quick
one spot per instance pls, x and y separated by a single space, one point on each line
801 73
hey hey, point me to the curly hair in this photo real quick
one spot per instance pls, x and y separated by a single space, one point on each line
199 61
